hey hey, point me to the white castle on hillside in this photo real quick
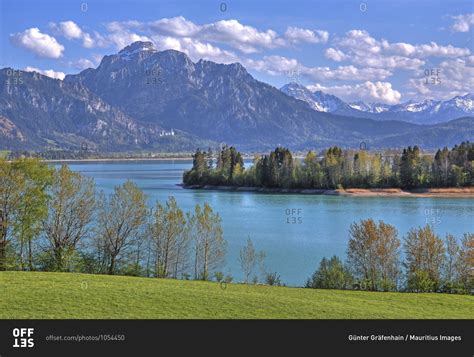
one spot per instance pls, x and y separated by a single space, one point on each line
167 133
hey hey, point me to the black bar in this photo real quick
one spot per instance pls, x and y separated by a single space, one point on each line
244 337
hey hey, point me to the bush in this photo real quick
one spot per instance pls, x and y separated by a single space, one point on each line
331 274
273 279
219 276
420 282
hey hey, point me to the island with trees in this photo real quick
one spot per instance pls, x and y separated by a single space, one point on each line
336 170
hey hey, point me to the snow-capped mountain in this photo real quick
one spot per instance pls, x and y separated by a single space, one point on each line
136 48
428 111
370 107
318 100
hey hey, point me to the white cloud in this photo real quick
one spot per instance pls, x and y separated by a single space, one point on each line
431 49
463 23
335 55
123 38
48 72
297 35
274 65
71 31
177 26
368 91
244 38
364 50
456 78
196 50
278 65
41 44
83 63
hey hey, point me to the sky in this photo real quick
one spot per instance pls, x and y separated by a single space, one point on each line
375 50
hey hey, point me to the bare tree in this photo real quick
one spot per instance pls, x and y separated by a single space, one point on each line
451 261
71 209
121 217
250 259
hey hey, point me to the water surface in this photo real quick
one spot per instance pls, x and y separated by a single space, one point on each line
293 249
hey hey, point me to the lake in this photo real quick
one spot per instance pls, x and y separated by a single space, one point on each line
295 231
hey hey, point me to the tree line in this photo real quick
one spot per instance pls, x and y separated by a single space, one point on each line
374 261
54 220
336 168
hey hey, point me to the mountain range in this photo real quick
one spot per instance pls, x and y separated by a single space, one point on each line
425 112
135 97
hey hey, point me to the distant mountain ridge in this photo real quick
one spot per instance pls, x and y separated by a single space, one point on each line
425 112
134 95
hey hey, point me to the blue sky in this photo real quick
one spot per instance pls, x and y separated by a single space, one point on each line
376 51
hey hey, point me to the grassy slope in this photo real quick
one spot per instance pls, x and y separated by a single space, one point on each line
64 295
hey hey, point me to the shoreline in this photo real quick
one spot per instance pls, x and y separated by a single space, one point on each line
118 159
464 192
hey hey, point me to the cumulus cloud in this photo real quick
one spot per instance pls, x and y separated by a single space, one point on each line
297 35
82 63
463 23
456 78
48 72
196 50
71 31
244 38
176 26
381 92
335 55
431 49
279 65
123 38
362 49
41 44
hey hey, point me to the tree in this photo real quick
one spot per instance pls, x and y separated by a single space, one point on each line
332 165
450 262
331 274
168 234
440 167
11 183
33 206
23 196
373 254
424 252
410 167
465 262
209 243
71 209
250 259
120 220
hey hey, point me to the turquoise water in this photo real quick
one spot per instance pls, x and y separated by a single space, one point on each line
295 231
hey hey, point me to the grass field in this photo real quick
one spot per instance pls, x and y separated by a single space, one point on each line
25 295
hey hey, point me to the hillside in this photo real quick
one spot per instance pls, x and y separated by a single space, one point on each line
27 295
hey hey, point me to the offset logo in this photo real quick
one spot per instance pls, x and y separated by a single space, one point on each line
22 337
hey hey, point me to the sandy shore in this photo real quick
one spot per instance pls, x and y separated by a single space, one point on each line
352 192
